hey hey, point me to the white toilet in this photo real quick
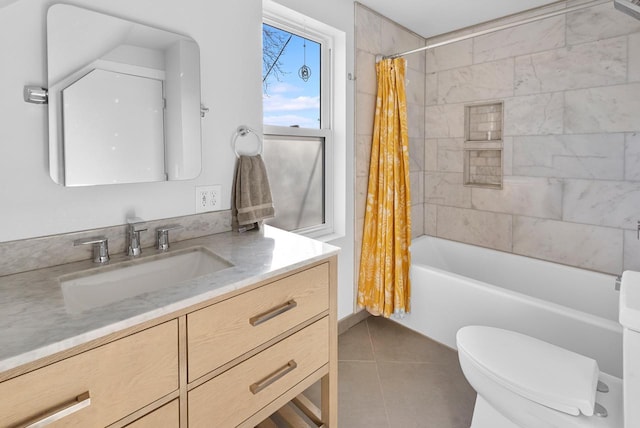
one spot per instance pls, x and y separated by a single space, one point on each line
524 382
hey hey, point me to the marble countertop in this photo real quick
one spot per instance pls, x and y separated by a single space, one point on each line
35 322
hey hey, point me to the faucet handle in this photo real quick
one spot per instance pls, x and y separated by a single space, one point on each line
100 247
162 234
135 224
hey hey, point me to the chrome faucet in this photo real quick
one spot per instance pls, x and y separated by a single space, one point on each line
100 248
162 236
134 227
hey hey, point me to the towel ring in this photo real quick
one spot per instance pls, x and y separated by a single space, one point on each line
242 131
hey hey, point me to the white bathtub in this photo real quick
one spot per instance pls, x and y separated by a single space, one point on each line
455 284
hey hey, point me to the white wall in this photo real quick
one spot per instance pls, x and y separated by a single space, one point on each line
340 14
229 36
32 204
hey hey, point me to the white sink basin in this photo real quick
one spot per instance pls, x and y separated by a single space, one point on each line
95 288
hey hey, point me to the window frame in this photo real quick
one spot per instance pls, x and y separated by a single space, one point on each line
302 26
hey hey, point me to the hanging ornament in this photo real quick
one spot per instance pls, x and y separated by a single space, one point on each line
304 72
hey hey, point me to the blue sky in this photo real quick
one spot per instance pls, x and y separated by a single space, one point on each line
291 100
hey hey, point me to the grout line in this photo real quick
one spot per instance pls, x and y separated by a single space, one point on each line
357 361
407 363
373 351
624 239
384 402
625 142
628 80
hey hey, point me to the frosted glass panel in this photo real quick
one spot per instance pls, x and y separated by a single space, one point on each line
295 166
123 149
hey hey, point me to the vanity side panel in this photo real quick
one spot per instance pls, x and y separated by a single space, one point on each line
329 382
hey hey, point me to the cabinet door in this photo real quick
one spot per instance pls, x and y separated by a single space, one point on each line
167 416
232 397
99 386
219 333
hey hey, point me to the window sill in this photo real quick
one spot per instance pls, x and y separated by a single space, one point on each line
331 236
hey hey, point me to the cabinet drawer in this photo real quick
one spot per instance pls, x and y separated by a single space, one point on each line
235 395
167 416
119 377
219 333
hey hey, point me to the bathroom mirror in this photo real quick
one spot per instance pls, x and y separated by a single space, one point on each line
124 100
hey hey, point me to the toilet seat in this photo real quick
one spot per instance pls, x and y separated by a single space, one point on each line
538 371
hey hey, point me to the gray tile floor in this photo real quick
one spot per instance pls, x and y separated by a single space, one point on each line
392 377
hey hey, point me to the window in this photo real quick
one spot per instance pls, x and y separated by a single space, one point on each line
299 120
291 66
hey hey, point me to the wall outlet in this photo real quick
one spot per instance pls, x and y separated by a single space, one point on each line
208 198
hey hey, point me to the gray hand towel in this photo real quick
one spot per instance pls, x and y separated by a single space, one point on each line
251 199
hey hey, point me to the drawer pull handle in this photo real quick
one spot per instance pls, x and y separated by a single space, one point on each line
259 386
272 313
80 402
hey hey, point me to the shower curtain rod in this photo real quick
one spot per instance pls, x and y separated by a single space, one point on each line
498 28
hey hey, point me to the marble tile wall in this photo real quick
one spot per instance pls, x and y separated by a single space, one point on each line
599 63
571 91
377 35
475 230
634 58
605 108
520 40
491 80
589 156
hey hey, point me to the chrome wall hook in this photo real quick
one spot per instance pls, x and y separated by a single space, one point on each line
35 95
203 110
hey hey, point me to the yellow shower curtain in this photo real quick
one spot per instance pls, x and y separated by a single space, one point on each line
383 283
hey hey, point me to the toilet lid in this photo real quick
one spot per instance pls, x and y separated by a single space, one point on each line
536 370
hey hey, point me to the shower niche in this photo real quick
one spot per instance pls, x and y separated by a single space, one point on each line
483 160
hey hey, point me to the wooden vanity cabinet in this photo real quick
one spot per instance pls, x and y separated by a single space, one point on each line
229 362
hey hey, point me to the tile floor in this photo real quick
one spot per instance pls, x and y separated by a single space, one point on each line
392 377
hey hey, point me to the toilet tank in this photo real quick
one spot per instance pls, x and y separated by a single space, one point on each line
630 321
